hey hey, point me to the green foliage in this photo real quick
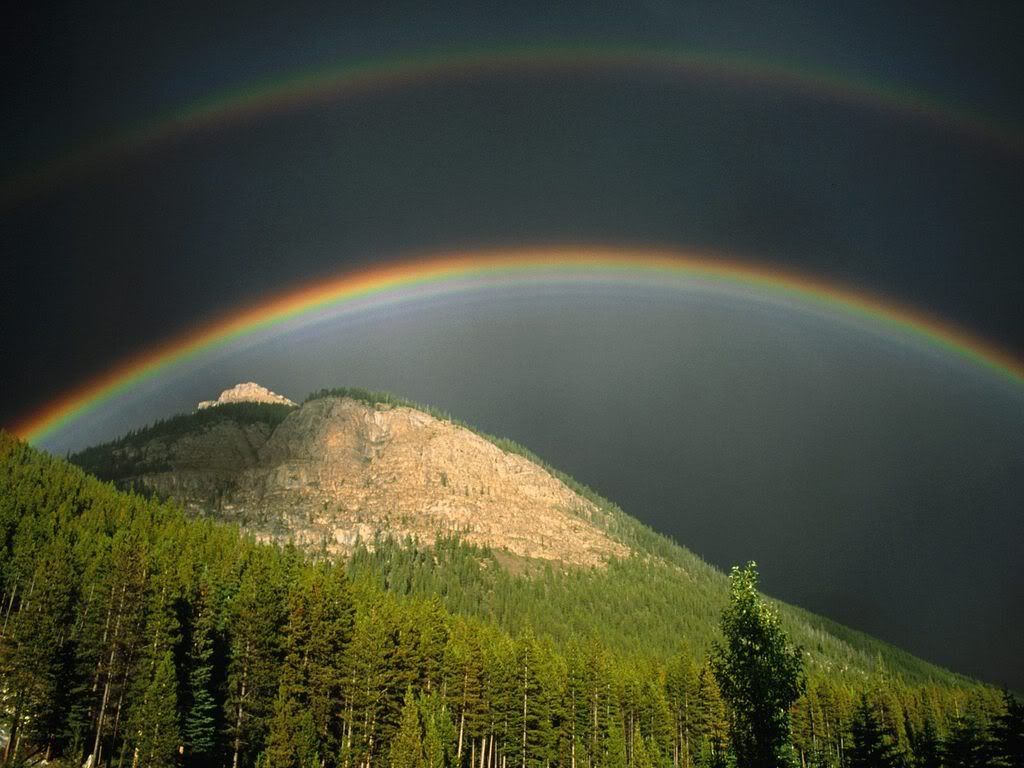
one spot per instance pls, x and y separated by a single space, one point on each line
133 634
155 720
872 747
759 673
119 458
1009 733
407 750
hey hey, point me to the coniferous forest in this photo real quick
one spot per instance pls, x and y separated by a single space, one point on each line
132 635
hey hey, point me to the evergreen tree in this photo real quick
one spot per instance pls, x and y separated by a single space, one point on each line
872 747
614 752
713 722
36 653
407 749
967 745
156 719
200 726
928 752
438 731
681 686
257 616
1009 733
760 675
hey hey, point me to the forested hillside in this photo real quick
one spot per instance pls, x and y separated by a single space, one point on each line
141 637
639 604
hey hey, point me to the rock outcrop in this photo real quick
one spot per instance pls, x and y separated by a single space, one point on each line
247 392
337 470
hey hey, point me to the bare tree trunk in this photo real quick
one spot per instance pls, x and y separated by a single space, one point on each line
241 700
110 673
526 670
7 613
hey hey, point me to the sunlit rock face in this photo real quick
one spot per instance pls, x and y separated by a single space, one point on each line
337 471
247 392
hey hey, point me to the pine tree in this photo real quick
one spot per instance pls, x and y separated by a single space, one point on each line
200 719
407 747
1009 733
257 616
438 731
760 675
872 747
681 687
713 722
156 719
614 753
928 752
319 628
36 654
967 745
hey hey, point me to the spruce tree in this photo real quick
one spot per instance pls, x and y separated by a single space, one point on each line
257 615
156 719
200 726
407 746
759 673
872 747
713 722
36 653
967 745
1009 733
928 751
681 687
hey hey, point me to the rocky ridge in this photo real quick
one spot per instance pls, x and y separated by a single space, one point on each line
246 392
337 471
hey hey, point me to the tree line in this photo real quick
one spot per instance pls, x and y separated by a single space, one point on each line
132 635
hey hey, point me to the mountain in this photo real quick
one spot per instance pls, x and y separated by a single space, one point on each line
339 470
424 505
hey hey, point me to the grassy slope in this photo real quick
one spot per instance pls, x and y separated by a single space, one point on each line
642 605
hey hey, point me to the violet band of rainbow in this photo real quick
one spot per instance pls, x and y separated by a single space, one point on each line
390 282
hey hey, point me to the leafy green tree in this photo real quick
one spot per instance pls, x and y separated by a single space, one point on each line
872 747
759 673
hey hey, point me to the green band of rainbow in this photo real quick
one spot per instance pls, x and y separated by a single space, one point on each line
372 74
381 284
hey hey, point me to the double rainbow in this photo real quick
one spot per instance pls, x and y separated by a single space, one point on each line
393 282
351 78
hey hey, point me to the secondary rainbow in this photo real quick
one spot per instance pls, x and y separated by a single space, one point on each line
353 77
615 265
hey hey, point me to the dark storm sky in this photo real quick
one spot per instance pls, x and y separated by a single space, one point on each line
901 519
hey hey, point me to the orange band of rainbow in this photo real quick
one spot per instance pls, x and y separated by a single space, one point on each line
390 282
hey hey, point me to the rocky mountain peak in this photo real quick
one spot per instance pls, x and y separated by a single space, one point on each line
338 471
246 392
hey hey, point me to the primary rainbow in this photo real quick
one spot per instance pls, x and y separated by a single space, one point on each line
353 77
612 265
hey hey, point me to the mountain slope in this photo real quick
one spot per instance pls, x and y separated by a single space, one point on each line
380 480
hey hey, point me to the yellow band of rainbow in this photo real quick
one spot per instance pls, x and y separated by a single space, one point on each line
393 280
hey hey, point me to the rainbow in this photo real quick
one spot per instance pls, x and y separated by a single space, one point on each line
383 284
355 77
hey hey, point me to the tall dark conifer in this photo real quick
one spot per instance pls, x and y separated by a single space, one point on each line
872 747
